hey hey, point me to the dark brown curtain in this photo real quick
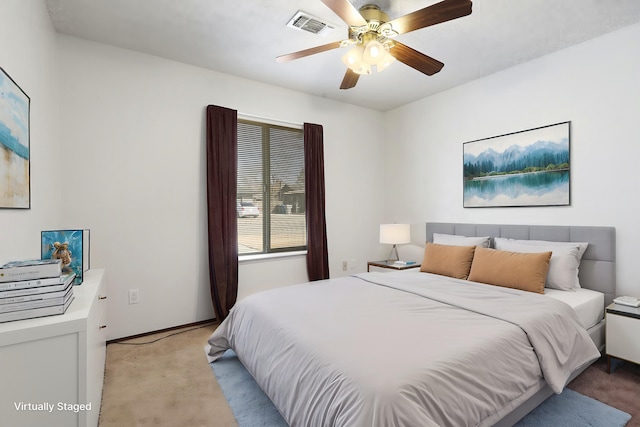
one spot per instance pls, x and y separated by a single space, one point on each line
222 142
317 253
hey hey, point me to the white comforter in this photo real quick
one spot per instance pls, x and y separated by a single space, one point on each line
402 349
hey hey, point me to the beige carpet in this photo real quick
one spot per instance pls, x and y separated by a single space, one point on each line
169 383
165 383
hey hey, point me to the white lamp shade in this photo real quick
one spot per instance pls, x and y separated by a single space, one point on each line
387 59
395 234
362 58
373 52
353 58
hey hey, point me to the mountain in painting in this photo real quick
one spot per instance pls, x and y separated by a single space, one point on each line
539 155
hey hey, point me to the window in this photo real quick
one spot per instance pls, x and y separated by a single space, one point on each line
271 189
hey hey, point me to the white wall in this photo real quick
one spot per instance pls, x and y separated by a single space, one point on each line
28 55
136 122
117 146
594 85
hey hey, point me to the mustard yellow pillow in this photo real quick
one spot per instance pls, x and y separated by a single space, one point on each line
524 271
452 261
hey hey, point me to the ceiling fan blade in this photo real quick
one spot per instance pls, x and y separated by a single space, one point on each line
440 12
414 59
350 79
307 52
345 10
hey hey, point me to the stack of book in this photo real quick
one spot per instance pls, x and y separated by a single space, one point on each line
34 288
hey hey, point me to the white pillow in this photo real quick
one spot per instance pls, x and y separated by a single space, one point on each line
565 259
454 240
582 246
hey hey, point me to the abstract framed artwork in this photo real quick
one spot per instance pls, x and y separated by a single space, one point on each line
15 182
525 168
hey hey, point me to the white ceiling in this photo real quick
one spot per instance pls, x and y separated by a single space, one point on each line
243 38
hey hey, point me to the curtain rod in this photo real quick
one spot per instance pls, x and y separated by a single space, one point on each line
270 120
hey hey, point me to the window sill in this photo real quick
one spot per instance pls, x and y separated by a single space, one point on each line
259 257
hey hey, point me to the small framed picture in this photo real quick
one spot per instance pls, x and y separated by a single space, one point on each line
71 246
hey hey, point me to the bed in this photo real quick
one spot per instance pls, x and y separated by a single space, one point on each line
415 348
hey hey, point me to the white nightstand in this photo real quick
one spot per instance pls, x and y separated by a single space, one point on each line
623 333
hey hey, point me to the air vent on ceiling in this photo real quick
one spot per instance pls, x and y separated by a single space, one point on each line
305 22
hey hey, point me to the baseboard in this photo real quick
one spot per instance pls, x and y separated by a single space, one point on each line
173 328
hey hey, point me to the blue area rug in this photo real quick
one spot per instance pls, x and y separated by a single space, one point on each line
252 407
249 404
572 409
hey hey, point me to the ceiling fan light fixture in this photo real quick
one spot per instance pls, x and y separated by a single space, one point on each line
373 52
387 59
353 58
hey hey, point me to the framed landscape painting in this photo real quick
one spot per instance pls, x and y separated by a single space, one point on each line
15 185
526 168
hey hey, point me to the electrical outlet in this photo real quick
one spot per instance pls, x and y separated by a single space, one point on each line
344 266
134 296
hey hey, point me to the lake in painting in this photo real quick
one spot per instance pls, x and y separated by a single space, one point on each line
527 189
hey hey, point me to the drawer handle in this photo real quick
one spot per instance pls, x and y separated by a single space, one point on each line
103 326
102 297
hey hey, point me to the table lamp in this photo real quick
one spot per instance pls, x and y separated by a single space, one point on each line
395 234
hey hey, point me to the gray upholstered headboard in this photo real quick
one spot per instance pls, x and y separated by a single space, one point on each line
598 265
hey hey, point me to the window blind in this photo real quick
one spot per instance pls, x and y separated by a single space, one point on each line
271 179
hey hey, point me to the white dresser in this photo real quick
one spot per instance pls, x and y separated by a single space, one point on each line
52 368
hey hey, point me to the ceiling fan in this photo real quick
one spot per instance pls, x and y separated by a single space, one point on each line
371 37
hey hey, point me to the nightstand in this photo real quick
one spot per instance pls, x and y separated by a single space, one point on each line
623 333
390 265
